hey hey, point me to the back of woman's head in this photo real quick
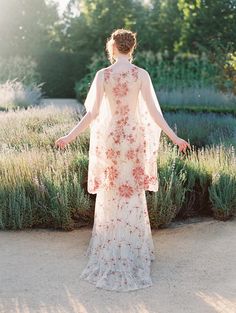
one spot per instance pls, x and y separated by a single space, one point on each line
125 41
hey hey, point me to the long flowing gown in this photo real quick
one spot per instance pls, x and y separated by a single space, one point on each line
124 141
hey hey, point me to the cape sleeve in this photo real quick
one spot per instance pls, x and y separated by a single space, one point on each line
149 115
96 102
153 106
150 98
95 95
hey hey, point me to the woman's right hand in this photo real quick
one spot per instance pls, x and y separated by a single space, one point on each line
62 142
182 144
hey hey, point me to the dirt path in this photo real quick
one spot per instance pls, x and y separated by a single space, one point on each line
194 271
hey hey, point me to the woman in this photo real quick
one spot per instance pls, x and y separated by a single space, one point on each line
125 121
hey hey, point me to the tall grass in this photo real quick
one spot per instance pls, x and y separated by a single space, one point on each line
165 204
39 127
203 129
222 193
41 186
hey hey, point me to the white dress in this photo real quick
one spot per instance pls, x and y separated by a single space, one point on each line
124 141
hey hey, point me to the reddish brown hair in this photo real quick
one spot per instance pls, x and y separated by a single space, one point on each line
125 41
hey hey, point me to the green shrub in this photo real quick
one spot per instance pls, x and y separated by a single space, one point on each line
165 204
23 69
41 189
222 194
82 86
59 71
183 71
197 99
196 197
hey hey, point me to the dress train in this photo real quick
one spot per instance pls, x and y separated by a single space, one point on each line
121 248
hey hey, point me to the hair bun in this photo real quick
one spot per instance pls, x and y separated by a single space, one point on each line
125 40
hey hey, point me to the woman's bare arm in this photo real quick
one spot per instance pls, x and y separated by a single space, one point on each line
157 117
89 116
146 85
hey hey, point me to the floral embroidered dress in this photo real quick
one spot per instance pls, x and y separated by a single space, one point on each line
124 141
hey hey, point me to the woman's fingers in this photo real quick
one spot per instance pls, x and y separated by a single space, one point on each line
183 146
60 143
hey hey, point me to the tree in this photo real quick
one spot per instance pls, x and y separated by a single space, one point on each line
205 21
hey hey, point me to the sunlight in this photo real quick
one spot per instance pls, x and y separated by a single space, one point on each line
218 302
62 5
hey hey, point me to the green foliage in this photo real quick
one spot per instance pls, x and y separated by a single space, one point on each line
165 73
40 189
182 71
165 204
24 69
81 88
222 56
222 193
230 72
197 182
205 21
58 71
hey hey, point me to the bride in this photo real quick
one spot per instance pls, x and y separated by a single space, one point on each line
125 122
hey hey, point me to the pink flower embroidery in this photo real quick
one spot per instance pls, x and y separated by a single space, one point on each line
124 109
111 153
146 181
116 138
130 154
111 172
126 190
123 121
107 73
138 172
130 138
134 72
124 74
120 90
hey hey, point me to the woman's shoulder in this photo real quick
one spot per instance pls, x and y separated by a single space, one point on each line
142 70
139 72
110 68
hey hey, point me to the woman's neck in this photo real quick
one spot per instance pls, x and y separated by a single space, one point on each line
122 58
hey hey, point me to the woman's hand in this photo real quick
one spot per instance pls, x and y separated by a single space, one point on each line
182 144
62 142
